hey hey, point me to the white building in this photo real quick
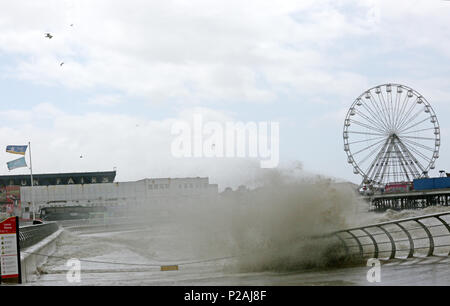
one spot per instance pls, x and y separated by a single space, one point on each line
144 194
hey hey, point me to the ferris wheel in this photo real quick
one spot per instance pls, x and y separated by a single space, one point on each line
391 134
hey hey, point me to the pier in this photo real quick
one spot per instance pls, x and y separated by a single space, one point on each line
408 200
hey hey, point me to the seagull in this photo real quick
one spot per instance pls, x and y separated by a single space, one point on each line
61 64
48 35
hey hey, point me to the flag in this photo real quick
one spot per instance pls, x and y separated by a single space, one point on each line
16 149
17 163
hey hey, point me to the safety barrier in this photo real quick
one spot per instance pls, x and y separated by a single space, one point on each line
421 236
32 234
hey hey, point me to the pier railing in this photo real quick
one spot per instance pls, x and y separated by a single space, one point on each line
421 236
32 234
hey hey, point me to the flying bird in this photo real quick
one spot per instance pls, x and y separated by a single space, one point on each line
49 35
61 64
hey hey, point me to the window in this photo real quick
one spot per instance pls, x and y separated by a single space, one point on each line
150 186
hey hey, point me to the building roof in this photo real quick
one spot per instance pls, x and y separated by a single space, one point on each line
59 178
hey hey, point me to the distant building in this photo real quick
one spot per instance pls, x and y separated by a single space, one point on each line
99 189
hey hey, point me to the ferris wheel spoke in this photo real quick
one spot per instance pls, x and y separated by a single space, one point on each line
389 107
385 107
420 154
398 99
398 109
421 130
367 126
378 111
365 133
368 147
418 137
411 119
382 107
371 153
375 115
393 105
411 126
382 110
373 122
418 144
365 140
407 113
402 109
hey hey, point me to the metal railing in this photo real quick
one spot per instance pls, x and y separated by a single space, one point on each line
421 236
32 234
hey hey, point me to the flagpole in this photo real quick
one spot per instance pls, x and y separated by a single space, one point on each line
31 174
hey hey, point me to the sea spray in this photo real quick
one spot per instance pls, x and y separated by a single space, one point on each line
271 226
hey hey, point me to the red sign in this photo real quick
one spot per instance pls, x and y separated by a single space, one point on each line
397 187
9 249
8 226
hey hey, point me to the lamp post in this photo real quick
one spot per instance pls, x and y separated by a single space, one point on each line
31 175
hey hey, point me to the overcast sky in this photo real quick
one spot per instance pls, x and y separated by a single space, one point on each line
131 68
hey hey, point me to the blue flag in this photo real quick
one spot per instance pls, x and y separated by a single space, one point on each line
16 149
17 163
